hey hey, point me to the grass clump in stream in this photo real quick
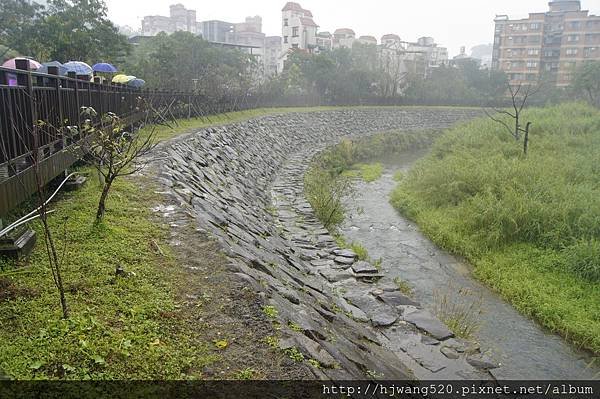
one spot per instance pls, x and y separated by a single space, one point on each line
529 225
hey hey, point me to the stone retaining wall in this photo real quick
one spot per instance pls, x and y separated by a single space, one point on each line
243 185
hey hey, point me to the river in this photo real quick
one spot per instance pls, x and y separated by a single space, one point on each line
524 349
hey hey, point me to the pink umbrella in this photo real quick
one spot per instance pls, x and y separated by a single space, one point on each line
33 65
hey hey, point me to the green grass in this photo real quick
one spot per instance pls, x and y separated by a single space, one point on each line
119 327
369 172
529 225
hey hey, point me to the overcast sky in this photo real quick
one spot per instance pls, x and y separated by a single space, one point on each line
453 23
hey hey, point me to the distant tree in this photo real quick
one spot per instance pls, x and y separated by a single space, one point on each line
184 61
586 81
64 30
18 19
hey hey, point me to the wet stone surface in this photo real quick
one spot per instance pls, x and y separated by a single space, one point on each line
243 184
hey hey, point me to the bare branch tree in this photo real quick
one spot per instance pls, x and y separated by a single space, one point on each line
519 95
112 150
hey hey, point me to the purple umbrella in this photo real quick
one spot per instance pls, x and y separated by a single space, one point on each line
104 67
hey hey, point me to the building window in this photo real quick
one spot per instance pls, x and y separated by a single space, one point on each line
535 26
285 22
532 64
589 51
295 45
573 38
295 31
571 51
575 25
533 51
285 39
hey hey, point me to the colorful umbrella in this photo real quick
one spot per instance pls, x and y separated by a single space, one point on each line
104 67
61 68
33 65
80 68
137 83
122 78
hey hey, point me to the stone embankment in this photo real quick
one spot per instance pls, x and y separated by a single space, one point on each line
243 183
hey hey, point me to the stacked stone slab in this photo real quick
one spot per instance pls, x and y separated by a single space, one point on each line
243 183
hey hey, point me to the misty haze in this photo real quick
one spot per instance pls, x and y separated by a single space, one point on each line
299 199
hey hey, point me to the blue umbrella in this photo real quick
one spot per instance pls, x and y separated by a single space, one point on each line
61 68
104 67
80 68
137 83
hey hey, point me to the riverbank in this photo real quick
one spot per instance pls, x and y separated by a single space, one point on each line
528 225
178 309
161 319
445 284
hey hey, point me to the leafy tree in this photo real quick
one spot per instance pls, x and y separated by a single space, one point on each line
64 30
183 61
587 81
18 19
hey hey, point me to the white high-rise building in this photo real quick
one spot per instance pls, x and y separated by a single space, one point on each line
298 31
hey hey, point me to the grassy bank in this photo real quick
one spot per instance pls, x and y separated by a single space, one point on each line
529 225
120 327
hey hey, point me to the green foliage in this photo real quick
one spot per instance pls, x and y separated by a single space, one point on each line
477 196
367 172
183 61
270 311
343 75
586 82
461 313
64 30
465 84
246 374
403 286
294 354
120 327
583 259
325 193
360 251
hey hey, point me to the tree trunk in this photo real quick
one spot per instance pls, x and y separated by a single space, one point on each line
102 202
526 139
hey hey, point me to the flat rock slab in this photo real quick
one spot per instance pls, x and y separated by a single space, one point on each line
396 298
334 275
482 362
345 253
343 260
362 267
427 322
381 315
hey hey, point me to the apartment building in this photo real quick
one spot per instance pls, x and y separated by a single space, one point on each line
343 38
298 31
547 45
179 19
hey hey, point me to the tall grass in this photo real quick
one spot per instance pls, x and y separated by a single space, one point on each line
521 219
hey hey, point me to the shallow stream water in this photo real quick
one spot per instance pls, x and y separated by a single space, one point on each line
525 350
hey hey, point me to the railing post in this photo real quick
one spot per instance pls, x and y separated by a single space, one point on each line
52 70
25 79
73 77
